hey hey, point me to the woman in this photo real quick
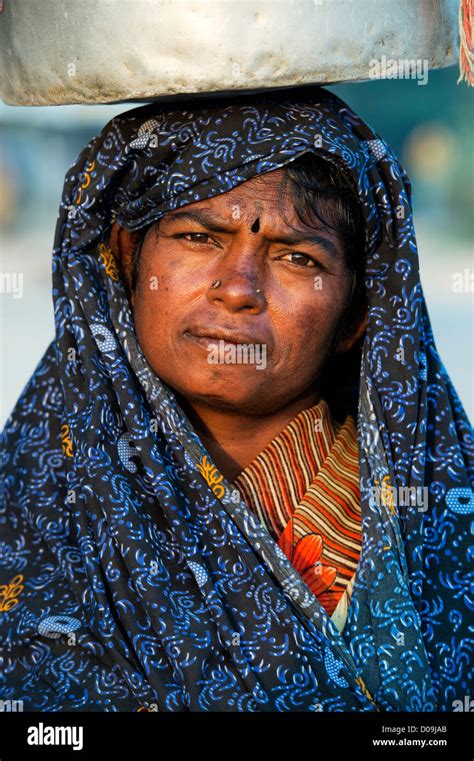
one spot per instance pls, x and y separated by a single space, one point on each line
194 525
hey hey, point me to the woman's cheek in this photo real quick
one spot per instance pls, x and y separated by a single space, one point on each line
316 322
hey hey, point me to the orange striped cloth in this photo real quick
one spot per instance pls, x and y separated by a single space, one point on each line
304 487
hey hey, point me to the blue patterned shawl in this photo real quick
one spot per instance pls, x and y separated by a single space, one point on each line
130 576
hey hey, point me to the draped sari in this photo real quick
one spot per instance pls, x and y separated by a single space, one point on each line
130 576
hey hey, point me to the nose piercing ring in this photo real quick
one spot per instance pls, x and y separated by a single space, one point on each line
217 283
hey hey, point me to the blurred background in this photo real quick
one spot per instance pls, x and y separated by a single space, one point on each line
429 127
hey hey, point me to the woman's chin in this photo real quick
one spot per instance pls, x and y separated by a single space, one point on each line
226 394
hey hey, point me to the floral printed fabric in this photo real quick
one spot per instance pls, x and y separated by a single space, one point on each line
130 577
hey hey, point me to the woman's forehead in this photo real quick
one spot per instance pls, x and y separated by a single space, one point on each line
264 192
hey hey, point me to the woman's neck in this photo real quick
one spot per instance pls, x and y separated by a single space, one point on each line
235 439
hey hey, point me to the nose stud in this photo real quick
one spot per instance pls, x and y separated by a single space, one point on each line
217 283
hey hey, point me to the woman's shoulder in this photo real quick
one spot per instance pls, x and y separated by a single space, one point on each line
40 398
32 437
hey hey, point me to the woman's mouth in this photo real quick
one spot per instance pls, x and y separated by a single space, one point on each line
206 338
229 348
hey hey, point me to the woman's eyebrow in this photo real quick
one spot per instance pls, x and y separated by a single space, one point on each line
211 223
201 217
312 238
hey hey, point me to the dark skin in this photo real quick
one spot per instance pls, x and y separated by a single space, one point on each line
267 296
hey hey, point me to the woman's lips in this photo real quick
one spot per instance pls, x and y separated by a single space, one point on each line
228 347
205 339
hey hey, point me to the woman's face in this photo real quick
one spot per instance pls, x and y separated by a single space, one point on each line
281 292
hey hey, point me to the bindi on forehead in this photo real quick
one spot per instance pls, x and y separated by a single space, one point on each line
256 226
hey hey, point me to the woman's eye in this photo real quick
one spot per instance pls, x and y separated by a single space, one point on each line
195 237
303 260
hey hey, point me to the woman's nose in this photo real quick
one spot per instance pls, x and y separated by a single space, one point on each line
238 283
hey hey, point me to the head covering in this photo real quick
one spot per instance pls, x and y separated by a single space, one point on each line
130 577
